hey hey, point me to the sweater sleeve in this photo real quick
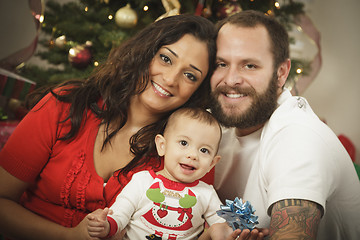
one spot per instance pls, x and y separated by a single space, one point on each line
28 149
127 201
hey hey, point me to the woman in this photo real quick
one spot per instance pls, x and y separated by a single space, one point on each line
80 145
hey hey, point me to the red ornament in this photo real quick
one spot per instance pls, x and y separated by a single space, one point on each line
79 56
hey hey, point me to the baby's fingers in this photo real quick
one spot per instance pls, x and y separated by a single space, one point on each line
95 231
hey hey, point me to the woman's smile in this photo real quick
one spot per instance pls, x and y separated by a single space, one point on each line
161 91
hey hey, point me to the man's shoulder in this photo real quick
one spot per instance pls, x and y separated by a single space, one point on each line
293 111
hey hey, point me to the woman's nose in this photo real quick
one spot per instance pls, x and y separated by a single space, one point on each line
170 78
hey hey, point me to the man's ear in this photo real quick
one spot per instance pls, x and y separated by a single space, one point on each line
215 160
283 72
160 143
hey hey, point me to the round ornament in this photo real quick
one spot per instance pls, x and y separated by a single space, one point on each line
60 41
79 56
228 9
206 13
51 43
126 17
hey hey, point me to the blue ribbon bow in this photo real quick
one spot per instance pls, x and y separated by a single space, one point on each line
238 214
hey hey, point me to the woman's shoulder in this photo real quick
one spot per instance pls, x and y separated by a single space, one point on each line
49 101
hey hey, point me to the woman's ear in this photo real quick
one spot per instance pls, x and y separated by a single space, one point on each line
160 143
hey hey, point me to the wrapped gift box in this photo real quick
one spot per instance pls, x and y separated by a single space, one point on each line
6 129
14 86
13 90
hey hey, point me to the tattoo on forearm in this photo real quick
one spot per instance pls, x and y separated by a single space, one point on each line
294 219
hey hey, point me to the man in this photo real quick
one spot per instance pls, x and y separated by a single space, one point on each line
276 152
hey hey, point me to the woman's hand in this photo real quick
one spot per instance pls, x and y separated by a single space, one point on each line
80 232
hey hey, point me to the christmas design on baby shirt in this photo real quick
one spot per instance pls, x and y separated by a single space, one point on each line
171 212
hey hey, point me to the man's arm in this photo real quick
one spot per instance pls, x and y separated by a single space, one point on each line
295 219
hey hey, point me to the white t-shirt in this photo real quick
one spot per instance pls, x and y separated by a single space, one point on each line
294 156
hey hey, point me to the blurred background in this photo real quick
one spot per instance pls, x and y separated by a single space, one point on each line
44 42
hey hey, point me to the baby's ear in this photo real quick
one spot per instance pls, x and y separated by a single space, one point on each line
215 160
160 143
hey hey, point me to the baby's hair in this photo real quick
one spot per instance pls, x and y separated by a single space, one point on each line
194 113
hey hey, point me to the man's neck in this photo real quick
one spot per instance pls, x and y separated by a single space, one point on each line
244 132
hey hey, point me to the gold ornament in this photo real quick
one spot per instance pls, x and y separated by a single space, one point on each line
172 7
60 42
126 17
228 9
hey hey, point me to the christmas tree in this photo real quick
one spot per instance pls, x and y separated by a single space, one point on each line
80 34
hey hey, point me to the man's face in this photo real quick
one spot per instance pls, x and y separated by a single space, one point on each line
244 84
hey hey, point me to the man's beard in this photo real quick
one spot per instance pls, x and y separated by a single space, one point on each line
259 112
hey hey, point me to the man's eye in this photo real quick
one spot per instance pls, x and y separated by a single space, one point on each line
165 58
250 66
204 150
191 77
183 143
220 65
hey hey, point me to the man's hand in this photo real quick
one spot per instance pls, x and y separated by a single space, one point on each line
222 231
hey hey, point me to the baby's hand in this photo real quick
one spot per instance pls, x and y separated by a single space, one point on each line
98 226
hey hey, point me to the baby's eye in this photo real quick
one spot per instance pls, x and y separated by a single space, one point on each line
165 58
204 150
183 143
191 77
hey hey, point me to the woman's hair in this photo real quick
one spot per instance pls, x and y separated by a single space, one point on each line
125 74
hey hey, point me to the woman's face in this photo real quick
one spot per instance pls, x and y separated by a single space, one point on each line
176 71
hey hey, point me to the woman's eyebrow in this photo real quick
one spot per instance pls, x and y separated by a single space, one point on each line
174 53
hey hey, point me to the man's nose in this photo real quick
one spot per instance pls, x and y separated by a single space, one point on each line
233 76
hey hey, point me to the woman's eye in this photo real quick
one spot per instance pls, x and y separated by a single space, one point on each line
183 143
165 58
204 150
191 77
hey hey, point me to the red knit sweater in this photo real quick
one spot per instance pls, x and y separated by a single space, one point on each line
65 186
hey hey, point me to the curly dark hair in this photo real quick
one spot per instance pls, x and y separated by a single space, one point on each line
125 74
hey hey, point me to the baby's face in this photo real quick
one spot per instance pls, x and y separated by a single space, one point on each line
189 149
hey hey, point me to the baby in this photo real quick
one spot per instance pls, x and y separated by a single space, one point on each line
172 203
